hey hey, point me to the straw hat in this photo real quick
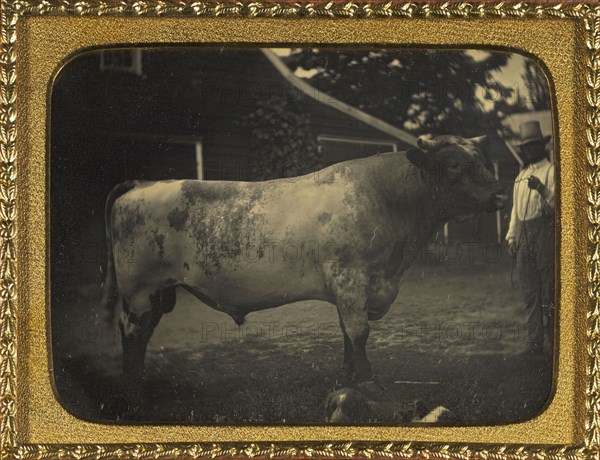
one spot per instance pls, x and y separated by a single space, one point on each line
531 131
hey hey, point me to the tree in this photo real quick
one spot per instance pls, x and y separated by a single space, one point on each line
282 142
537 94
422 91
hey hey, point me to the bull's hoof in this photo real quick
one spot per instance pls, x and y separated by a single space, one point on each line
133 393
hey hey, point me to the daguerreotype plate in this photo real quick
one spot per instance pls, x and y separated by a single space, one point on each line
348 230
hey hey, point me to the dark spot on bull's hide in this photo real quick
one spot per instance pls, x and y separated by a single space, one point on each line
344 258
207 192
170 281
221 222
177 218
186 266
160 242
256 193
374 283
131 216
163 300
324 218
349 199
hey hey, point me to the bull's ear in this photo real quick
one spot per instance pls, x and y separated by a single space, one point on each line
419 158
483 142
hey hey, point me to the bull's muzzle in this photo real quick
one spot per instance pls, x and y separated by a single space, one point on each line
499 200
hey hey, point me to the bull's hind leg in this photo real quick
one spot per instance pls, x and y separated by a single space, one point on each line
135 334
138 320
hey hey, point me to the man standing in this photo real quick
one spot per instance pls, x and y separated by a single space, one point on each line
530 235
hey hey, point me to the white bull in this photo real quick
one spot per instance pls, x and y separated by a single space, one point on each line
338 235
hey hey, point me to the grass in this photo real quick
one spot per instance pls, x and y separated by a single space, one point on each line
453 337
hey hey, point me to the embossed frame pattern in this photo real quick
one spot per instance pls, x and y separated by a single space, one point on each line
12 11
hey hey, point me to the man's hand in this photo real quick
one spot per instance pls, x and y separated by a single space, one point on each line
534 183
512 248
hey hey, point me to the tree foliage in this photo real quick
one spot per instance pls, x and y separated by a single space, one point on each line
421 91
537 92
282 143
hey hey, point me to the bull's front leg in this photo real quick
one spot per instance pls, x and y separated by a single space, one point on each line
352 309
348 364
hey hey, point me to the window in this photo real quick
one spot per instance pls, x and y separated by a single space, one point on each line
128 61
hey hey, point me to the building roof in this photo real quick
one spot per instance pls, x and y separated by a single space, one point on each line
347 109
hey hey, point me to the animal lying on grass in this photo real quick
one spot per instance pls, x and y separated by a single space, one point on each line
367 402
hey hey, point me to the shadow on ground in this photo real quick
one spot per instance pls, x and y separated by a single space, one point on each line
453 337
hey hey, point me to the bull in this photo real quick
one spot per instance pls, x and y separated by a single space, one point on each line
349 225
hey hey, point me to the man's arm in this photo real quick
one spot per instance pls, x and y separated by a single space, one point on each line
514 227
547 191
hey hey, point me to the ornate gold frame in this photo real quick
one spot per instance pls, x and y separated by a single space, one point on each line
15 238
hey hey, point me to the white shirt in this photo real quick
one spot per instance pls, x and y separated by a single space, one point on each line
529 203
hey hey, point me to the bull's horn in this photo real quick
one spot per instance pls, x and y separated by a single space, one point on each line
478 140
426 143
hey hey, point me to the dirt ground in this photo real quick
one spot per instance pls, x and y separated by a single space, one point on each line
455 336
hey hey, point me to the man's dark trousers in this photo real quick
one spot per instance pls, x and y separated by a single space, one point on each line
535 268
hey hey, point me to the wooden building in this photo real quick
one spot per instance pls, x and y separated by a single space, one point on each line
172 113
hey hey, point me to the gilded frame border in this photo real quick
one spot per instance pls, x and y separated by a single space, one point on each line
12 10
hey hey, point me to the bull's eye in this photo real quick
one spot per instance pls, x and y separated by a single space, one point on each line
452 172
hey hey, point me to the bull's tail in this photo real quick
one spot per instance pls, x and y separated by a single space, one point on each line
110 292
